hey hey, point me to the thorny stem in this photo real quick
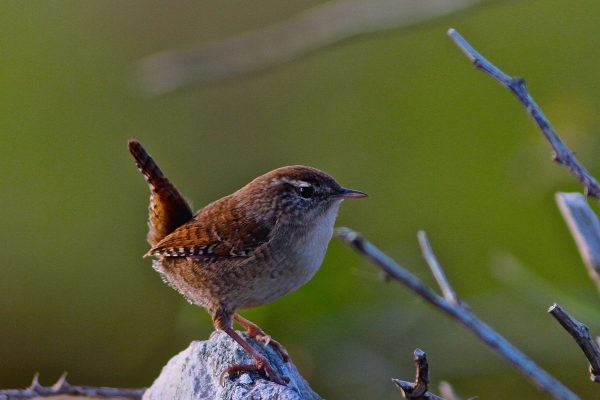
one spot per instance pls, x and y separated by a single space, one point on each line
62 387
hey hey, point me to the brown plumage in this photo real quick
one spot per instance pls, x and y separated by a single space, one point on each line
248 248
218 230
168 209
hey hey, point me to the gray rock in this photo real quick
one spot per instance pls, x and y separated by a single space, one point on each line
195 373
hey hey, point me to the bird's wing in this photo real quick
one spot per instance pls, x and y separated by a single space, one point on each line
218 230
168 209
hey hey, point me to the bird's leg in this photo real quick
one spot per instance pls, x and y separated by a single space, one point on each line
260 362
259 335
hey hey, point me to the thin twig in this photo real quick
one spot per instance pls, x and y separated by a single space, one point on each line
464 315
585 229
63 387
417 390
302 34
437 270
582 337
562 154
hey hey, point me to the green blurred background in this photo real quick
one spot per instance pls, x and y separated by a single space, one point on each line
401 115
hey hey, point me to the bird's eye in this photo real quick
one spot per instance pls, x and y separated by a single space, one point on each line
306 191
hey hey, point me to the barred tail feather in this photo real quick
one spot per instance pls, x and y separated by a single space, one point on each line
168 209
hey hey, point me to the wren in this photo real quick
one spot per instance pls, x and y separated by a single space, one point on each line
246 249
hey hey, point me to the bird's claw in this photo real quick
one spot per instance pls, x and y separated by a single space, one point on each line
261 365
268 340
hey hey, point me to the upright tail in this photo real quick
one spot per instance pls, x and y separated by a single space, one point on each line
168 209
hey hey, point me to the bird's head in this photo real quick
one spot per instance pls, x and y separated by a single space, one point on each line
297 194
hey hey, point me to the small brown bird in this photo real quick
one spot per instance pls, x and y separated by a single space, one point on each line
246 249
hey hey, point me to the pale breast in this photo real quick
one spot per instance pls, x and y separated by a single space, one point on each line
306 251
311 247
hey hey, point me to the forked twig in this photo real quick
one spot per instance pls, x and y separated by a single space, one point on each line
562 154
417 390
462 314
63 387
582 337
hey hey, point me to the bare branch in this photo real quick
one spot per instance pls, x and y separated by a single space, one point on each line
284 42
585 229
582 337
464 315
562 154
63 387
581 220
418 389
437 270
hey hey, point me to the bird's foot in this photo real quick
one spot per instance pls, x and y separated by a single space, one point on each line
254 331
261 365
268 340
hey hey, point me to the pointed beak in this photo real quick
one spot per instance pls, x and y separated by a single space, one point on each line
350 194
